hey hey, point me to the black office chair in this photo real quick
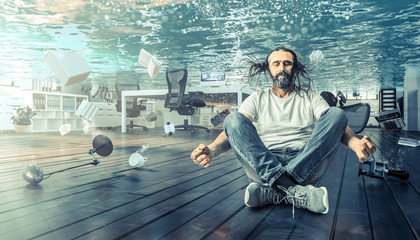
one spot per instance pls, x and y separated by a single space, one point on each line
133 104
358 114
330 98
184 104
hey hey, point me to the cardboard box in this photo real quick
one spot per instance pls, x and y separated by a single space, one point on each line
68 66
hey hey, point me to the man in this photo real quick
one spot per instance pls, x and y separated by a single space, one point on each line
284 137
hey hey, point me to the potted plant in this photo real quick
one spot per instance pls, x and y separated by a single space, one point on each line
22 118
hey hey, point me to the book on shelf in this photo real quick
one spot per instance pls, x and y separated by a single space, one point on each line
409 142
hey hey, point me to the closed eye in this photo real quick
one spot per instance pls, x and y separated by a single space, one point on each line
285 63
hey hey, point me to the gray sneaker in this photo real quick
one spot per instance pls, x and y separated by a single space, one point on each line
309 197
257 195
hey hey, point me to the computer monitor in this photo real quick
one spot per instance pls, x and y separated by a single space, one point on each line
213 79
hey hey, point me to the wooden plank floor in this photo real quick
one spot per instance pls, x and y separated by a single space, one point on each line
172 198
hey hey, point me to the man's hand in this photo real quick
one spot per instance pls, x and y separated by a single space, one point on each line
364 148
202 155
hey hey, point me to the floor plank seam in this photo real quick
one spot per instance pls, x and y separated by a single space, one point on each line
337 206
259 224
149 222
223 222
413 230
211 206
369 210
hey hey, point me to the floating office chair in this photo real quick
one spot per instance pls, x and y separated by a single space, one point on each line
133 104
357 114
184 104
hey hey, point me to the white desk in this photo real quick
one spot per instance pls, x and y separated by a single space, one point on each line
162 92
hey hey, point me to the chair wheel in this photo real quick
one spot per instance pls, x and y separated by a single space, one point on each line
207 130
145 129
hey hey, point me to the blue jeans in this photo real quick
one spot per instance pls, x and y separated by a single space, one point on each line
305 165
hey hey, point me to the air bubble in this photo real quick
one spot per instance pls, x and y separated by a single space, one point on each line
316 57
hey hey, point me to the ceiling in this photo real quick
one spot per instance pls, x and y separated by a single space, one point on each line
365 45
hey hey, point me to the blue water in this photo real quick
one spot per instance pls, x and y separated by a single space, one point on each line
366 45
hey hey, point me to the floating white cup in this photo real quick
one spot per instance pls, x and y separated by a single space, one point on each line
64 129
136 160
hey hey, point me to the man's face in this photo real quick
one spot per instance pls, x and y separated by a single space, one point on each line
280 66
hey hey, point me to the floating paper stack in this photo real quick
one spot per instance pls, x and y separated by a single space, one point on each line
409 142
68 66
87 110
150 62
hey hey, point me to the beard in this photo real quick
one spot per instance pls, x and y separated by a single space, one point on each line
283 82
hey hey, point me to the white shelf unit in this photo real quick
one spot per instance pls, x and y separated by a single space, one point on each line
8 104
50 108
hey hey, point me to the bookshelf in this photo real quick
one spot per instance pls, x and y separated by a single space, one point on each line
51 108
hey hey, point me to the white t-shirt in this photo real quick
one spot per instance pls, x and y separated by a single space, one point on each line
284 122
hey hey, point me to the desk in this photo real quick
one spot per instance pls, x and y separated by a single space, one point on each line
161 93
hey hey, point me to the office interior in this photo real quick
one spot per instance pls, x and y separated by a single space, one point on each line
72 61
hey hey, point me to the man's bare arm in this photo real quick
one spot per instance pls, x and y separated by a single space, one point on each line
220 145
203 154
364 148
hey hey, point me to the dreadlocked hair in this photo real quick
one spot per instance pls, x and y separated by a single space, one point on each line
300 75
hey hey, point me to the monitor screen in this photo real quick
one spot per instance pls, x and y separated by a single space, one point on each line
213 79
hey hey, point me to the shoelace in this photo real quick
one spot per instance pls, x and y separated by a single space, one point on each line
271 196
300 198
